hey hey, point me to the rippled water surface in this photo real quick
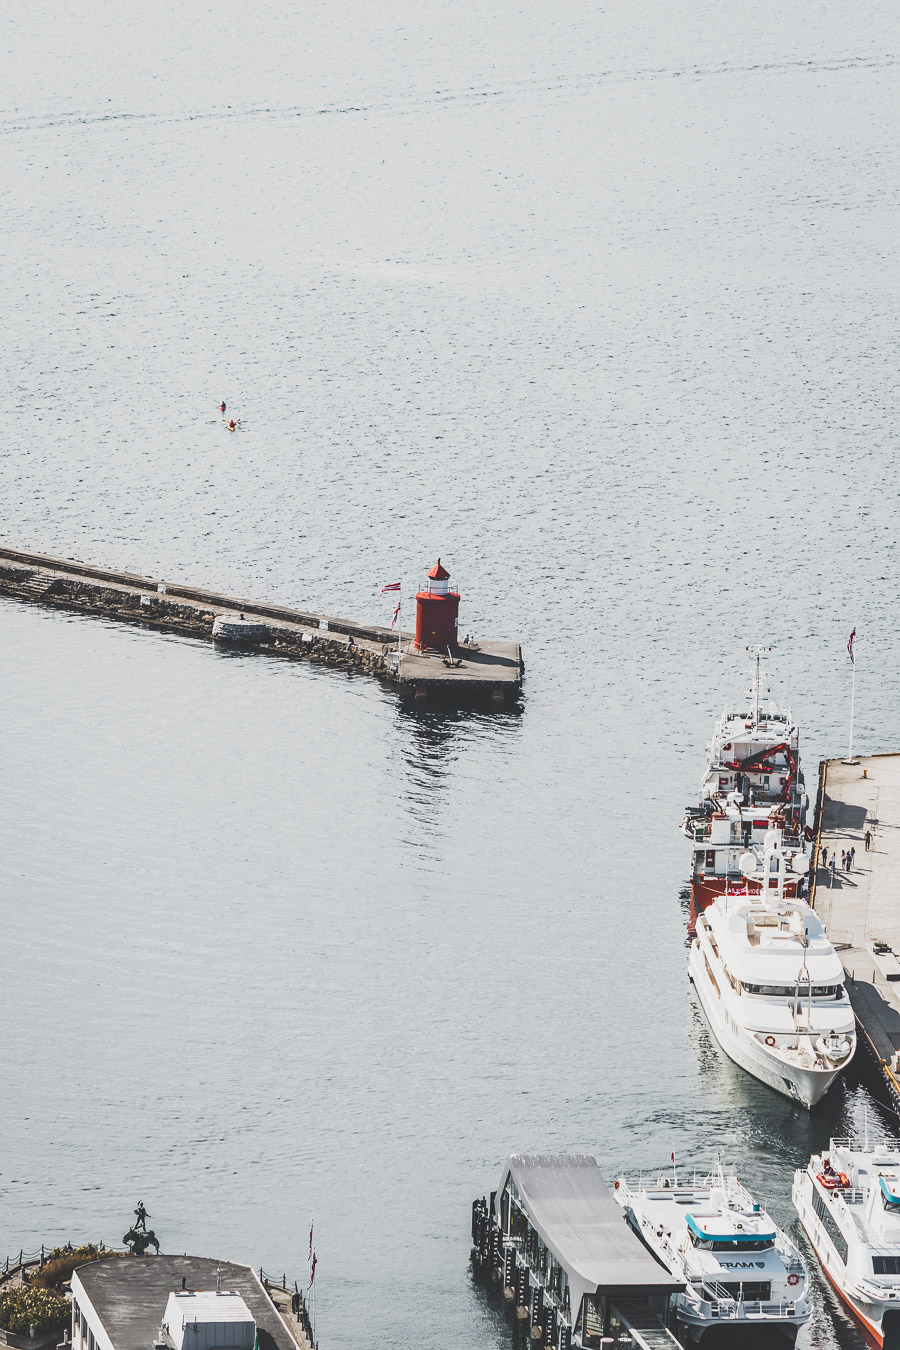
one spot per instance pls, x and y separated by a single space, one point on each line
601 305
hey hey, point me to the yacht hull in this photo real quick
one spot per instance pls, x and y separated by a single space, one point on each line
707 889
871 1316
785 1331
806 1086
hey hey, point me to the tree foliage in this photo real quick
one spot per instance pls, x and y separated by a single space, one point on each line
24 1306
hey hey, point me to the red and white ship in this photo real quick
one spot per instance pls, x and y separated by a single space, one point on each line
753 784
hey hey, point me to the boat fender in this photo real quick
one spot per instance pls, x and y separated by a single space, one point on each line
770 1040
793 1279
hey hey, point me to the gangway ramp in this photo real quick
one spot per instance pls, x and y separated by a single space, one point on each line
645 1330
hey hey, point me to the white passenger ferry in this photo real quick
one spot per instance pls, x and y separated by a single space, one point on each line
772 987
753 784
738 1268
848 1200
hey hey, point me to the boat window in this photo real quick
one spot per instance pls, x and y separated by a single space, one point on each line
886 1265
890 1201
735 1244
828 1223
834 991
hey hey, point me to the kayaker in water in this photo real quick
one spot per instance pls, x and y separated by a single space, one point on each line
232 425
221 407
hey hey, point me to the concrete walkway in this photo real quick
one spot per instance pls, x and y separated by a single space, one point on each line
862 907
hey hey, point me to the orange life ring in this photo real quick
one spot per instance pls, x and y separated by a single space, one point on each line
793 1279
770 1040
616 1185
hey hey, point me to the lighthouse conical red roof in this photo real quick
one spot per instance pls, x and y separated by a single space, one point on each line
438 573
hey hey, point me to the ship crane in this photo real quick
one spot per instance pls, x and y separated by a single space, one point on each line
757 763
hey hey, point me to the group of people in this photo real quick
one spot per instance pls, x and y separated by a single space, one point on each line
848 857
232 425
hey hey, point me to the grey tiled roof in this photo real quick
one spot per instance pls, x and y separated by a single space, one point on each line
130 1296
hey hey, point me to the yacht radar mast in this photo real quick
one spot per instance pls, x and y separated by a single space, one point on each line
757 653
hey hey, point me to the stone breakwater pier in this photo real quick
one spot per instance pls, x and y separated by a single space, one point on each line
489 672
859 808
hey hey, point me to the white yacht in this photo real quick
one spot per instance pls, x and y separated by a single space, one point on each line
848 1200
738 1268
772 986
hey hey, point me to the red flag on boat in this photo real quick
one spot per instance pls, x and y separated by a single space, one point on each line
312 1271
310 1257
850 648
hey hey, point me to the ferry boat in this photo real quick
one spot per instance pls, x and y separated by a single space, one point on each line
753 784
848 1200
738 1268
772 987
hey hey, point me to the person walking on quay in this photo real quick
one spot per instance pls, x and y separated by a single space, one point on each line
852 856
867 839
824 857
833 865
843 859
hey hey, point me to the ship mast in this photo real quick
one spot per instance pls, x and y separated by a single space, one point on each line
757 653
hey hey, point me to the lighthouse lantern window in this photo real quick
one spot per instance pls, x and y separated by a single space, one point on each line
438 580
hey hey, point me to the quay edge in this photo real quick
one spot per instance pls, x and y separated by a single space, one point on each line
489 674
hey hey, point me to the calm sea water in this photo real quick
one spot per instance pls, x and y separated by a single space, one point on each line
600 305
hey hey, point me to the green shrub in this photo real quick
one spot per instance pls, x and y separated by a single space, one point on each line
22 1307
58 1266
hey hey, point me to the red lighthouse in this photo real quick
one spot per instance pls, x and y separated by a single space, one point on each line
437 611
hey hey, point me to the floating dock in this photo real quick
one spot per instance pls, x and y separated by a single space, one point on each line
571 1270
486 672
861 907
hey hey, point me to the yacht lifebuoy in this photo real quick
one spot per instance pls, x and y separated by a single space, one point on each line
793 1279
770 1040
616 1185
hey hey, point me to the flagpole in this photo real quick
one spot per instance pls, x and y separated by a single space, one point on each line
852 650
400 626
852 708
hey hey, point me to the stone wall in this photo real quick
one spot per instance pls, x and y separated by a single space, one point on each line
172 613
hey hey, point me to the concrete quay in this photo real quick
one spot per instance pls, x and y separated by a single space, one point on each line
489 672
861 908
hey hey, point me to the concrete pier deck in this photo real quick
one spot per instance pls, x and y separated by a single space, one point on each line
861 908
488 672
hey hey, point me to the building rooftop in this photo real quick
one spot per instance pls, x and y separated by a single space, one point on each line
567 1201
130 1295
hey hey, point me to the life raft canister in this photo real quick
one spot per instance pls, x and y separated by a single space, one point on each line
836 1182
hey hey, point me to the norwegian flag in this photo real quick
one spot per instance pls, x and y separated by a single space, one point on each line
310 1257
394 619
312 1271
392 586
850 648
